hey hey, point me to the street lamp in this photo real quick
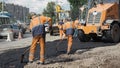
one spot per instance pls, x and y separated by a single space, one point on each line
58 10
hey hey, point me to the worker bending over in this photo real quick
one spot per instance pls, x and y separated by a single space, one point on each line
38 32
68 27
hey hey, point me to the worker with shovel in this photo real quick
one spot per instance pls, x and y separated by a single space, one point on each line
38 32
68 27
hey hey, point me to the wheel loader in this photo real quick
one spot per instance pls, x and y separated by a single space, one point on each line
102 22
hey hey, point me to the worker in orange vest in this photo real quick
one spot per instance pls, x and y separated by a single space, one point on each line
60 26
38 33
69 29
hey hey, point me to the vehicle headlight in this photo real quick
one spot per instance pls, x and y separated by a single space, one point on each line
107 22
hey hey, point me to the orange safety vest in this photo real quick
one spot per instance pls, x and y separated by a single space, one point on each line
69 27
37 25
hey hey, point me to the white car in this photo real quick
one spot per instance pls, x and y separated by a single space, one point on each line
8 28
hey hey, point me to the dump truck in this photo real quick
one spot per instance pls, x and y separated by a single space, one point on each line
102 22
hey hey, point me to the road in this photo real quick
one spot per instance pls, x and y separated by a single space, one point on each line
84 54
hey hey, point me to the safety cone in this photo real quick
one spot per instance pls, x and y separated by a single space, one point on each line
10 37
20 35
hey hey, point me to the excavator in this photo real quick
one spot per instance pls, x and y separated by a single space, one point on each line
102 21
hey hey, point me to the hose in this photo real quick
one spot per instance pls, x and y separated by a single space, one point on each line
23 54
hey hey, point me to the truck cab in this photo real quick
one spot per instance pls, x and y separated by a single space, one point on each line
102 21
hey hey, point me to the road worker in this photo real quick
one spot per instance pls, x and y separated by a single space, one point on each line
38 33
68 27
60 26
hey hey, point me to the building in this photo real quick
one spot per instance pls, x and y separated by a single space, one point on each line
17 12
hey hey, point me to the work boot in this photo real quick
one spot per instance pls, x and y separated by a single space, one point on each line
68 52
42 63
30 62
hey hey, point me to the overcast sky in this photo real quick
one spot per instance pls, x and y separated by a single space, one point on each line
38 5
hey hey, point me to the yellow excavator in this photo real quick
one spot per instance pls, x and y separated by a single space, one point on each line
102 21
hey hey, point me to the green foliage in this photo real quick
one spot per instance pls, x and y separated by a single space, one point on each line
74 6
50 10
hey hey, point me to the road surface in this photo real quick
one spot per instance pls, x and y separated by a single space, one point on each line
84 54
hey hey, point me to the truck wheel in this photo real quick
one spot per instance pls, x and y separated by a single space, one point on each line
82 37
115 33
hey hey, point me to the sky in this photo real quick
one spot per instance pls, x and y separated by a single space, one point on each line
38 5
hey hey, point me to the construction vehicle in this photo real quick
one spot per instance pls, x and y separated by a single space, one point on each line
102 21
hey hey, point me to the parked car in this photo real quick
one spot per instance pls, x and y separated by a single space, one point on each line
7 28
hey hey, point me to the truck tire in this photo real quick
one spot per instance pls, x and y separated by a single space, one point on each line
82 37
115 33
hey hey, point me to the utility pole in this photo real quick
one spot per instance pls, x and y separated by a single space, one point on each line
57 14
2 6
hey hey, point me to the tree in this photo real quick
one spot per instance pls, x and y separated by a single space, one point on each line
50 10
74 6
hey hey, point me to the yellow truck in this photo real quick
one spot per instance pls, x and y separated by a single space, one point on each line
103 21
